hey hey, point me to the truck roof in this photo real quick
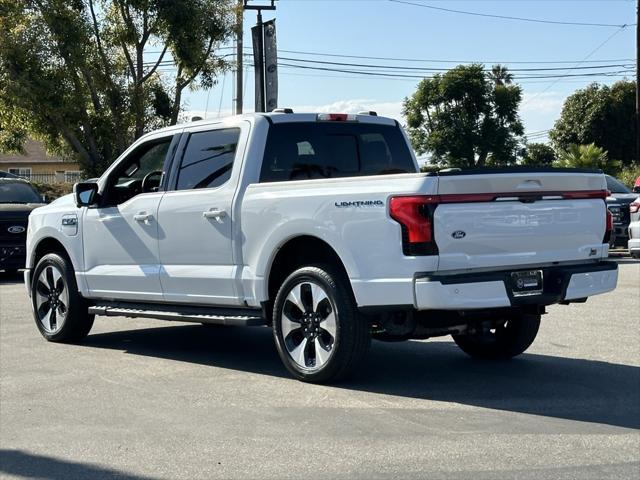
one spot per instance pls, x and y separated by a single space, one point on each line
281 117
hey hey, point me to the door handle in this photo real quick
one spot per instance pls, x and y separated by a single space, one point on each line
215 213
143 217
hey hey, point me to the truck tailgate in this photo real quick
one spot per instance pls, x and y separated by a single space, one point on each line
497 220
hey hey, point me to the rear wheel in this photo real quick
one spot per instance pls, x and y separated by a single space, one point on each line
61 314
508 339
319 333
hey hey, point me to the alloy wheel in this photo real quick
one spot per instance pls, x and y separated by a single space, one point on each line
308 325
52 299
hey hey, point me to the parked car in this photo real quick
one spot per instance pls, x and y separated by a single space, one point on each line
322 227
18 198
618 203
636 186
4 174
634 229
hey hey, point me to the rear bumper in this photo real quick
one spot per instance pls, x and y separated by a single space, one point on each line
491 289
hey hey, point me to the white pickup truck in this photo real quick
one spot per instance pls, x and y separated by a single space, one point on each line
320 226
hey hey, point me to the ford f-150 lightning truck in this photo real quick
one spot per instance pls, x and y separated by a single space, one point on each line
322 227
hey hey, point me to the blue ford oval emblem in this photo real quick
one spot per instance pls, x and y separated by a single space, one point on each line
458 234
16 229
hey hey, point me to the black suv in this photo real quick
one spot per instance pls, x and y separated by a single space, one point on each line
17 199
618 204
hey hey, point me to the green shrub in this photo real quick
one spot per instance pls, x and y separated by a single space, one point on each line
53 190
629 174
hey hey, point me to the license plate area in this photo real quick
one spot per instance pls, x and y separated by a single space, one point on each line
526 283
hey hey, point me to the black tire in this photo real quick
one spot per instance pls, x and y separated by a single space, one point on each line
506 341
75 320
338 326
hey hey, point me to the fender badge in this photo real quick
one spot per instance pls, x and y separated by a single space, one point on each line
458 234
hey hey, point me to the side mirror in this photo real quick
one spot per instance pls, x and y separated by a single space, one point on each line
85 193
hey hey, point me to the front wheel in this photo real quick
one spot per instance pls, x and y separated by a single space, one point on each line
61 314
509 338
319 333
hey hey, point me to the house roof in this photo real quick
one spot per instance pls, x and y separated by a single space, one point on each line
34 153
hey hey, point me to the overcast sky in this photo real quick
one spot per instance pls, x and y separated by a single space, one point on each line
402 32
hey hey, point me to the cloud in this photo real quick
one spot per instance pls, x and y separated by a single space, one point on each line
538 110
384 109
543 102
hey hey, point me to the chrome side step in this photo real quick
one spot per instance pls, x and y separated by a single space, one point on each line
219 316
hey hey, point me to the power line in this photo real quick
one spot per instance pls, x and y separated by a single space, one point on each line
428 69
506 17
426 60
592 52
400 75
400 67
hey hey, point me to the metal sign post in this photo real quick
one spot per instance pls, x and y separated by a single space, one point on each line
264 43
270 66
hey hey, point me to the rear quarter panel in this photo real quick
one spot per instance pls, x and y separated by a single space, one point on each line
365 238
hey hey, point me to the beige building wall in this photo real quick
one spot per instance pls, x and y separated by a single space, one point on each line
37 164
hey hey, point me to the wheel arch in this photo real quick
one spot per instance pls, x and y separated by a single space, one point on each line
45 246
297 252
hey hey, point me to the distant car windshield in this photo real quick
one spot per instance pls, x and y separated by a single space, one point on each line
18 192
616 186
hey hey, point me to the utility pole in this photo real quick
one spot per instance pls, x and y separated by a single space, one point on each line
239 58
638 83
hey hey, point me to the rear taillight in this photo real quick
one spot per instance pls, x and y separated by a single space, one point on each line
415 215
609 227
634 207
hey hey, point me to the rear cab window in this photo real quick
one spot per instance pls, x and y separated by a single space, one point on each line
313 150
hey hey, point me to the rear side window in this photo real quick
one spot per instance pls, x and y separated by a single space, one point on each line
299 151
616 186
208 159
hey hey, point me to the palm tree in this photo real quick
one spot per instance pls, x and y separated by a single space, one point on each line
587 156
500 75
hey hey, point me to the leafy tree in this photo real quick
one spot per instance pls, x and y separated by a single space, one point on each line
81 75
600 114
464 119
538 155
587 156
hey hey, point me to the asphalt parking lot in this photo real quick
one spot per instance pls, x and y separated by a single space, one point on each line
144 399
